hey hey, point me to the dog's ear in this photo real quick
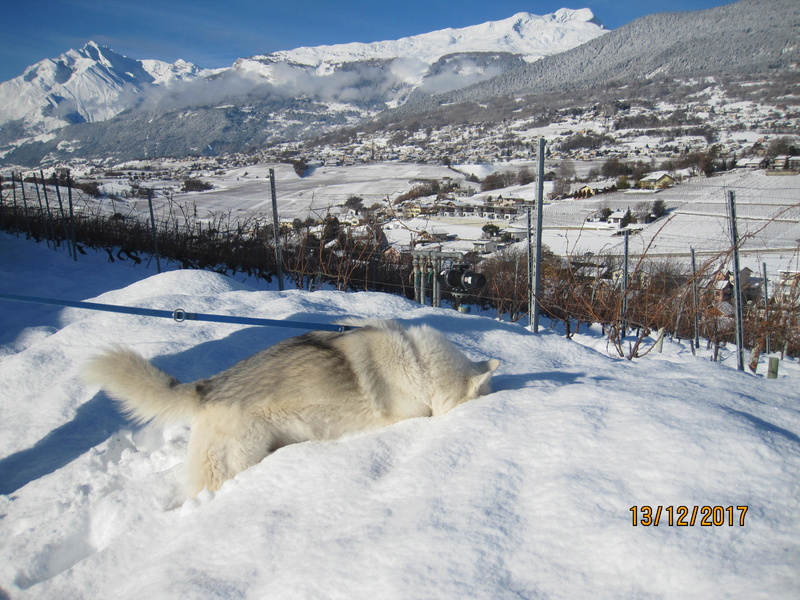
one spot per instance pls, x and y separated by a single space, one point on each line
490 365
480 385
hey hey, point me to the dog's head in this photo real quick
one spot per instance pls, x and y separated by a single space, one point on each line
463 385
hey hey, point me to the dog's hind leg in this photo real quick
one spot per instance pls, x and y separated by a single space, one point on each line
220 449
207 465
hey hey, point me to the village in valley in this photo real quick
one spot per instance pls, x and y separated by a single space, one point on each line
445 184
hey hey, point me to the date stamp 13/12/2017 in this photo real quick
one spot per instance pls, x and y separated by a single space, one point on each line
685 516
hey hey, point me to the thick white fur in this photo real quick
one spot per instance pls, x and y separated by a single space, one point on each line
319 386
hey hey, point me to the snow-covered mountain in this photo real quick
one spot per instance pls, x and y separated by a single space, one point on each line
95 84
528 36
87 85
751 42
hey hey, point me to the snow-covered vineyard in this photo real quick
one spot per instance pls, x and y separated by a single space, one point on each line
767 205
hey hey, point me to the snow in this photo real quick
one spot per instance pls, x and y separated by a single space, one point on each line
523 493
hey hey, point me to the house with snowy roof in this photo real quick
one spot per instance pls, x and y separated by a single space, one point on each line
517 234
484 246
617 217
752 163
657 181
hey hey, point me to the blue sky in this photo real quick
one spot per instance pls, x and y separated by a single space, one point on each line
215 33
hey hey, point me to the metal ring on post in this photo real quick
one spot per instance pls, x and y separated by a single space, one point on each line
179 315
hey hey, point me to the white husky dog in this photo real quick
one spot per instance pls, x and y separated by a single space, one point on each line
318 386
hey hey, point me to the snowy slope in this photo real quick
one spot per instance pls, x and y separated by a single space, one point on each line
525 493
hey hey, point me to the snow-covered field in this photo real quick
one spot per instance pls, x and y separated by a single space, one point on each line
525 493
326 186
767 208
244 191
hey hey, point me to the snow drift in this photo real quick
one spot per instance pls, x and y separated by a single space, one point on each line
525 493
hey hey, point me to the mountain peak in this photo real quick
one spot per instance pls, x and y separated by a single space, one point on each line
564 15
94 46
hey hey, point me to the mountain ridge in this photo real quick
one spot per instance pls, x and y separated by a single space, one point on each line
746 37
525 34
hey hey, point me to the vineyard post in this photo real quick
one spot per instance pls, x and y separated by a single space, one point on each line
70 249
45 216
436 284
772 372
71 218
276 230
696 345
659 345
423 293
737 286
537 282
14 197
153 228
531 297
2 210
767 344
624 311
415 277
50 225
25 208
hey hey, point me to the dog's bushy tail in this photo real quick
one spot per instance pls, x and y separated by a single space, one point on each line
145 392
